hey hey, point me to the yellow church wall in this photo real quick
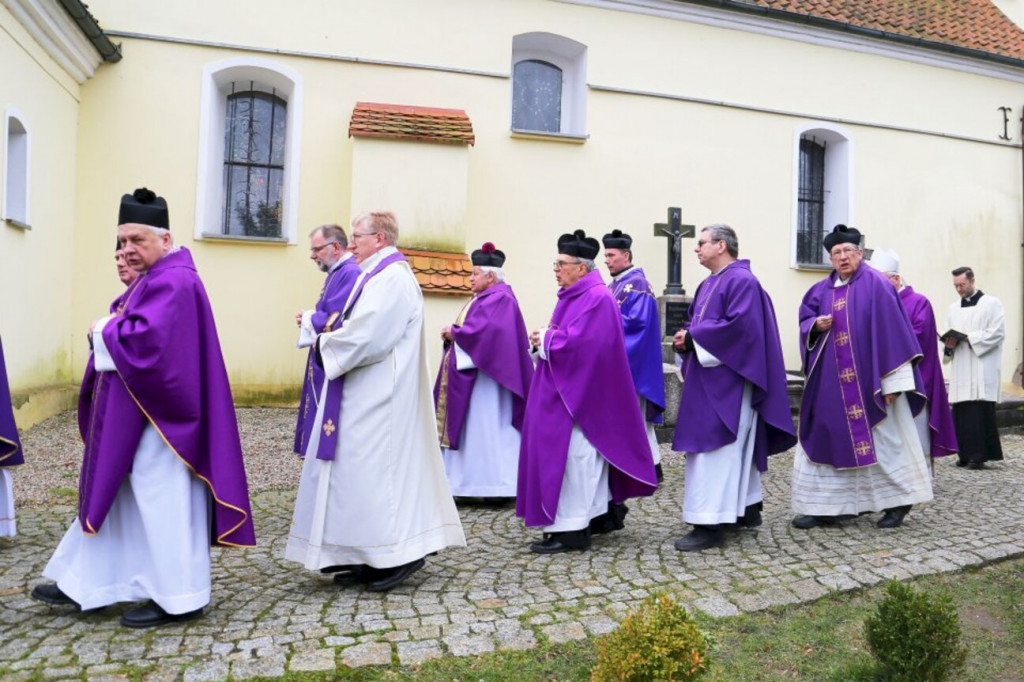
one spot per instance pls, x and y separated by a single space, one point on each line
36 322
939 201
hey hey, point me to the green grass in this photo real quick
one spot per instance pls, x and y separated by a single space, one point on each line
821 642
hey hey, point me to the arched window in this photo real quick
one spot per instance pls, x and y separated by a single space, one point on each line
255 131
15 208
250 134
823 186
549 84
537 96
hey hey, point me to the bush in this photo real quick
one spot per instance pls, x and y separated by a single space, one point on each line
915 636
657 641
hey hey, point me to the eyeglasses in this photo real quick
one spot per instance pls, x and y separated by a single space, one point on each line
844 252
318 249
702 242
559 264
364 234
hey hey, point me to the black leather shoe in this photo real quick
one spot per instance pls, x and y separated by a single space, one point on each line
976 466
807 522
49 593
338 568
396 576
751 519
893 518
551 544
700 538
360 575
961 463
658 472
150 615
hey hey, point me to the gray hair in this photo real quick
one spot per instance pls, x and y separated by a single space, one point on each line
383 222
720 232
499 274
332 233
590 265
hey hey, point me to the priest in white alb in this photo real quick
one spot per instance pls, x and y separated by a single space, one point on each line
373 499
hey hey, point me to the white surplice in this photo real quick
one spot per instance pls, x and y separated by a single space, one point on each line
652 438
8 524
900 476
383 500
155 541
487 461
976 362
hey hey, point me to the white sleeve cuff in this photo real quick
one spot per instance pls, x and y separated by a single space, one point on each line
462 359
704 357
101 356
902 379
307 335
542 352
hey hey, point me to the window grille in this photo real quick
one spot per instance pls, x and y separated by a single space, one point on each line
254 153
811 202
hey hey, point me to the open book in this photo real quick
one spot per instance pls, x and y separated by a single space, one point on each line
953 334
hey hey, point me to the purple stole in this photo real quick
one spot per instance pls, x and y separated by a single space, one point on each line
853 402
336 387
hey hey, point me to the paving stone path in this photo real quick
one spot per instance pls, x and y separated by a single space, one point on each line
269 616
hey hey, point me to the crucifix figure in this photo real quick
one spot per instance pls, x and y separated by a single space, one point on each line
676 232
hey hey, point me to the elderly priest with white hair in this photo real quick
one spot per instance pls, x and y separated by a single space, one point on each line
162 474
482 383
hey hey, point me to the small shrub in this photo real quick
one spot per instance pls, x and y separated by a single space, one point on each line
657 641
915 636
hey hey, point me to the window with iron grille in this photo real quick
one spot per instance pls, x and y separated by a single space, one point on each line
811 202
254 162
537 96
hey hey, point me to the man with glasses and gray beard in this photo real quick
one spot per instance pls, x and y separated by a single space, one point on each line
328 248
859 449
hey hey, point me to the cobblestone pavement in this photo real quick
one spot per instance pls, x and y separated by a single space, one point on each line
269 616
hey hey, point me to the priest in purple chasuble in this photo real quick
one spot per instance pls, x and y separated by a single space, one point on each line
328 248
935 424
733 411
162 473
859 449
10 454
642 328
584 450
482 383
373 500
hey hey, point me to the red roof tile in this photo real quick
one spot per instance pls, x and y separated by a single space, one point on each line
439 272
425 124
972 24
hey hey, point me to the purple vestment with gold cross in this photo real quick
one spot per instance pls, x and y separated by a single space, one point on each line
870 338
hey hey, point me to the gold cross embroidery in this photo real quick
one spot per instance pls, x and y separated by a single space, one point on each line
855 412
863 447
842 338
847 375
839 304
330 428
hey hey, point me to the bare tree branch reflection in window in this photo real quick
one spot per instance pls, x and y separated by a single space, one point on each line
254 147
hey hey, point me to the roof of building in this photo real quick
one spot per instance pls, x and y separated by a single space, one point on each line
439 272
971 26
424 124
80 14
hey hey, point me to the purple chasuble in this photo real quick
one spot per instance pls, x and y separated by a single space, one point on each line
642 328
733 318
870 338
328 445
940 416
494 335
337 286
170 373
584 381
10 444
